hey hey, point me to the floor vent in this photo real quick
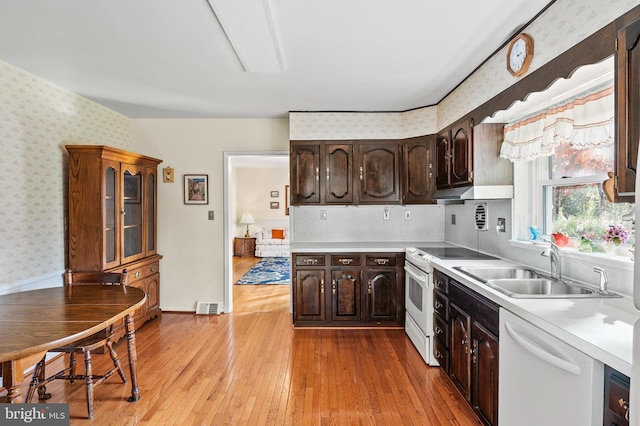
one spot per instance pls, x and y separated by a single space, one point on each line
481 217
208 308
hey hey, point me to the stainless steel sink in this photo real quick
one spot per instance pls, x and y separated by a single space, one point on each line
486 273
521 282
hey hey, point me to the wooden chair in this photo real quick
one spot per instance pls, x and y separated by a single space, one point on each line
84 346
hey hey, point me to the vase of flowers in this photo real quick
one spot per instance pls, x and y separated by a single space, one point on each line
614 236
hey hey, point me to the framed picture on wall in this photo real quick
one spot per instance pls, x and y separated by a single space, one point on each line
275 194
275 205
286 200
196 189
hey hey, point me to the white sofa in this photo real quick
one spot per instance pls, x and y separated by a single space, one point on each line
267 246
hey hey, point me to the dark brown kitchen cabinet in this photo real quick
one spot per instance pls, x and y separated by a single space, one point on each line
378 177
309 288
627 110
616 397
365 289
346 288
112 211
418 169
338 173
454 150
304 161
473 344
441 326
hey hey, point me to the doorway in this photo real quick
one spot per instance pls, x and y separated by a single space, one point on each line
251 297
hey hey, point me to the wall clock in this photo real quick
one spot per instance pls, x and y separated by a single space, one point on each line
520 54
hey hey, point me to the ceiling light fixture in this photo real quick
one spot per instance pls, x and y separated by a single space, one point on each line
251 31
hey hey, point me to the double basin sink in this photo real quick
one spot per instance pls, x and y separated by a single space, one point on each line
521 282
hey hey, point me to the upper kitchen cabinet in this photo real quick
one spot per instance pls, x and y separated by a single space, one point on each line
112 216
378 172
454 149
338 168
305 172
628 110
418 164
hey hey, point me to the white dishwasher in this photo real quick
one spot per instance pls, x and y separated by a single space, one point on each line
544 381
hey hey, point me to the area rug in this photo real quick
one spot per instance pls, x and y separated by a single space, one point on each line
270 270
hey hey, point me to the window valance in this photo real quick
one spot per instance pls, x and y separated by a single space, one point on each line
585 121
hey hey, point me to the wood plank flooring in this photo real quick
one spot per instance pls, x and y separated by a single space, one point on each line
251 367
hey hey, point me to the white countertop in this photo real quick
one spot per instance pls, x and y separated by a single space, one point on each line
599 327
371 246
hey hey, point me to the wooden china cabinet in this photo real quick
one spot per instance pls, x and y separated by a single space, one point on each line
112 217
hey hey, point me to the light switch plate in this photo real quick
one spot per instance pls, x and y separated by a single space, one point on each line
211 215
407 215
502 224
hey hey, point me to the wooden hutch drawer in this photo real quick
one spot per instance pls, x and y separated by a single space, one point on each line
309 260
346 260
144 271
381 260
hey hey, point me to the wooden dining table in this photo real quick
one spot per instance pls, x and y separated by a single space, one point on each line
32 322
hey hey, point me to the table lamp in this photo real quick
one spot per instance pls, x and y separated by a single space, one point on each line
247 219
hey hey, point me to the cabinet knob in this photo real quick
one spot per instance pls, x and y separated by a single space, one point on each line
345 261
333 286
321 286
317 173
369 290
361 173
474 352
153 269
438 330
328 174
137 274
437 304
625 405
437 354
122 212
311 261
382 261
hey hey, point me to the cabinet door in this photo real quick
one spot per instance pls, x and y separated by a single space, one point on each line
132 214
345 295
461 151
485 374
309 295
381 295
153 293
418 181
338 173
443 161
112 206
305 173
151 210
460 350
628 110
378 173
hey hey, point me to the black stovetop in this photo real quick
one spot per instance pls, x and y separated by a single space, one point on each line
455 253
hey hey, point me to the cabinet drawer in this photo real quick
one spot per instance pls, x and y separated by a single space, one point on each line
441 329
381 260
441 353
441 282
309 260
345 260
141 272
441 304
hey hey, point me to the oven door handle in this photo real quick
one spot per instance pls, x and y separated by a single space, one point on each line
419 277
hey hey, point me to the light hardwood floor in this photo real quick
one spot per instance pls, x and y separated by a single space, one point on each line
251 367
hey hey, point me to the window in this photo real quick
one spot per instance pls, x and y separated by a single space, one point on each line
573 201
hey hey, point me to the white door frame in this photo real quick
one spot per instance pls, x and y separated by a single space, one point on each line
228 222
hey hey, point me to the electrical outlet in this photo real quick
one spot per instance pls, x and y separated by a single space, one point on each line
385 214
323 215
407 215
211 215
502 224
453 219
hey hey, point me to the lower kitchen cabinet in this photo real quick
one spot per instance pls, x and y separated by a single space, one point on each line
616 397
365 289
473 327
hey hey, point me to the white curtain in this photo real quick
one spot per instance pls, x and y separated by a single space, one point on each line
585 121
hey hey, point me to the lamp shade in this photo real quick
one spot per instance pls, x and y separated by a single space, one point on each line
247 218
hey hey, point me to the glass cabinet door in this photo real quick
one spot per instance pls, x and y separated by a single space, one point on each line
151 212
132 215
111 217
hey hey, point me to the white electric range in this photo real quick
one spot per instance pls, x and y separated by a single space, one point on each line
419 292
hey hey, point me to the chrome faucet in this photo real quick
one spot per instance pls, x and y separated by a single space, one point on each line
602 289
553 252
